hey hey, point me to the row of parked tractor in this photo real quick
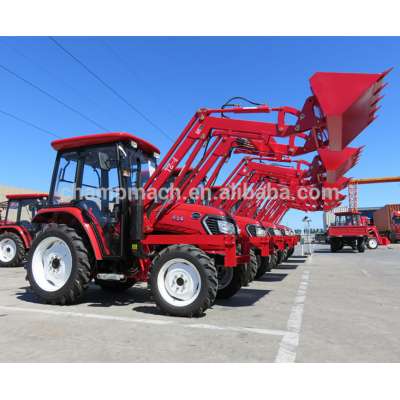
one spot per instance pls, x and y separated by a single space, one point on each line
115 215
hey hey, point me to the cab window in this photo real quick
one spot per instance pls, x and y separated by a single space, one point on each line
12 212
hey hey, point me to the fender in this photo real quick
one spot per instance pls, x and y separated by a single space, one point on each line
64 215
20 231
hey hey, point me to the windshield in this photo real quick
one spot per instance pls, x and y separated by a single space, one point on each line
349 219
12 212
141 166
29 208
396 220
99 171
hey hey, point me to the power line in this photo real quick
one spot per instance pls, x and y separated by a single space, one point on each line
128 67
56 99
24 121
55 76
110 88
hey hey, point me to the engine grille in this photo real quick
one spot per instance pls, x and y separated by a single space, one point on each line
251 230
212 224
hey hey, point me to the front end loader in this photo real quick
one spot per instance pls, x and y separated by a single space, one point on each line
106 221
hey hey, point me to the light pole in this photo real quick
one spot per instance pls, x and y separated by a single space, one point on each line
307 221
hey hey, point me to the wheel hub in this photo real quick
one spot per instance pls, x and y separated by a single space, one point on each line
55 263
179 282
52 264
8 250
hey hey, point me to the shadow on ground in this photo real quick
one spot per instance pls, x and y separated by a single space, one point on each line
272 277
95 297
246 297
340 251
287 266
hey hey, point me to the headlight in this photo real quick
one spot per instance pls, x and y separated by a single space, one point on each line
256 230
226 228
219 225
260 232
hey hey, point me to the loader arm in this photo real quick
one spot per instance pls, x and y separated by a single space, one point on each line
341 106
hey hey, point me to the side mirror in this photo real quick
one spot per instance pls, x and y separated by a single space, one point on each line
104 161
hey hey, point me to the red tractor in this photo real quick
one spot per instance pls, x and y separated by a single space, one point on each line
107 221
374 238
17 229
96 226
348 230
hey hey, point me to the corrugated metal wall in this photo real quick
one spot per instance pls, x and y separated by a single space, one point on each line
329 216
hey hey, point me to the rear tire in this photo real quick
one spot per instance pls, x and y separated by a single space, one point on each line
336 245
361 246
279 257
392 237
372 243
252 268
286 254
229 286
263 266
183 281
12 250
58 268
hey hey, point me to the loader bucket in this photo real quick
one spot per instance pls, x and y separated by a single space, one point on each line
332 198
348 102
337 163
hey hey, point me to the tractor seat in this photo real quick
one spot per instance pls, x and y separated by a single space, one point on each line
27 225
90 205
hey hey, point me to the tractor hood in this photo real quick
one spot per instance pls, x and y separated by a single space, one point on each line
190 219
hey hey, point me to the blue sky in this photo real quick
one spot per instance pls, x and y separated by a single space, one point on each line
168 79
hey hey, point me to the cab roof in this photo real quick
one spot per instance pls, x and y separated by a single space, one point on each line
102 138
348 213
26 196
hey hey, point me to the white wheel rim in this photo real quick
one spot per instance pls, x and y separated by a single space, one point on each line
373 243
179 282
8 250
225 276
51 264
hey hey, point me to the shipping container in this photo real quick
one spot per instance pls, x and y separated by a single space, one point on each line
386 221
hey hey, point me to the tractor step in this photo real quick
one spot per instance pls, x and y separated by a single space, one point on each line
111 277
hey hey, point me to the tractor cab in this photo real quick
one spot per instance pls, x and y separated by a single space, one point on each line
20 209
348 218
349 229
103 176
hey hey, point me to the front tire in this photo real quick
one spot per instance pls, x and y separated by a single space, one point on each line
12 250
372 243
58 267
183 281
